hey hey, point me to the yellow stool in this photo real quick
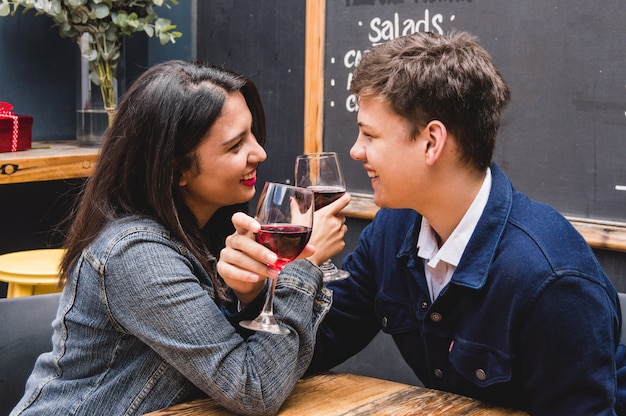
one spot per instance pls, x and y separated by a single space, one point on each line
31 272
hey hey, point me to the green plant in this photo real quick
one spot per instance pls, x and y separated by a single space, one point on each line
97 27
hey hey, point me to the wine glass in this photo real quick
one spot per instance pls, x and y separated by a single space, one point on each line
320 172
286 216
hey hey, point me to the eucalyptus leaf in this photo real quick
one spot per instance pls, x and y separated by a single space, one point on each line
102 11
106 22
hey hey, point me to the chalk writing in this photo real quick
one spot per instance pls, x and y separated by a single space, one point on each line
381 29
562 138
387 2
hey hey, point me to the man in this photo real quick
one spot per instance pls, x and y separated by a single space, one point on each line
486 293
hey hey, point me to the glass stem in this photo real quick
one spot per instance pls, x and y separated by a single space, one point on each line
268 307
328 266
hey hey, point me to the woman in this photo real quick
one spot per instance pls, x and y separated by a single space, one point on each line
144 320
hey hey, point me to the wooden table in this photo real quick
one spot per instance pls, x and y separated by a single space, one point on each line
334 394
48 161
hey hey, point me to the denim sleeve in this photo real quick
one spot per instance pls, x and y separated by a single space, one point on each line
153 293
570 338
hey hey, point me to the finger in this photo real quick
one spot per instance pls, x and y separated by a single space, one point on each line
244 249
234 276
308 251
245 286
341 218
244 223
343 202
239 265
336 206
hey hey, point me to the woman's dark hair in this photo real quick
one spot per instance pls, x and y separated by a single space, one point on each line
158 126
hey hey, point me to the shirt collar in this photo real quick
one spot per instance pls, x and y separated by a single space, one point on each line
453 248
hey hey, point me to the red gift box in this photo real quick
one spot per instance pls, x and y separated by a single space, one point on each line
15 130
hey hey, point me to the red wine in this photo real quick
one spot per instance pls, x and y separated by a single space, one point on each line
324 195
286 240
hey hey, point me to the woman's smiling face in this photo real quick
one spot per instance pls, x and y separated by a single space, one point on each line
226 162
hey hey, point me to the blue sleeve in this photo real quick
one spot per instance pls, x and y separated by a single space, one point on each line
351 324
570 338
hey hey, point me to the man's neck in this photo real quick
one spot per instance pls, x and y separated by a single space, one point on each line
453 198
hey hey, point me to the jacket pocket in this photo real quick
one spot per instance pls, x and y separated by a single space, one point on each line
480 364
395 316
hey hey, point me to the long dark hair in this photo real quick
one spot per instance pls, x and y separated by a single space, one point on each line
159 124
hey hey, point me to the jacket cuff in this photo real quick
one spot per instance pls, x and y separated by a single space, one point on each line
302 275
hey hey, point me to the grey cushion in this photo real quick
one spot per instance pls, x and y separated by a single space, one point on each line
25 332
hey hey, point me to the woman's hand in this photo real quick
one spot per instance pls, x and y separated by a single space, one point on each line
244 263
329 230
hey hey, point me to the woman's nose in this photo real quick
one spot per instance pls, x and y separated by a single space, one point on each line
259 154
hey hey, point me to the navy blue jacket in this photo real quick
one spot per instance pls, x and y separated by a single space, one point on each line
529 319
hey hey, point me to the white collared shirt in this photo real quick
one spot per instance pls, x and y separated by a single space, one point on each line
440 263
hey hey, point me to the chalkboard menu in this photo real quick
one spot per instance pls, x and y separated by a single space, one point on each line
563 138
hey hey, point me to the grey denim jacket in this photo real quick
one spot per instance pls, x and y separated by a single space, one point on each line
138 329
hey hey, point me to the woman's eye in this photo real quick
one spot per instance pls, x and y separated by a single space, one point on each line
237 145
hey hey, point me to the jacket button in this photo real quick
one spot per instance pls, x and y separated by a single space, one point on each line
480 374
424 305
384 322
435 317
438 373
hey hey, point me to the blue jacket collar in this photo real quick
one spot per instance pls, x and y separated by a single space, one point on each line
473 268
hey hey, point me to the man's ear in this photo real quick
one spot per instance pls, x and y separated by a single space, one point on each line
436 136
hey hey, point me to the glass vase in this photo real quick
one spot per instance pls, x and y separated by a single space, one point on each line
94 113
